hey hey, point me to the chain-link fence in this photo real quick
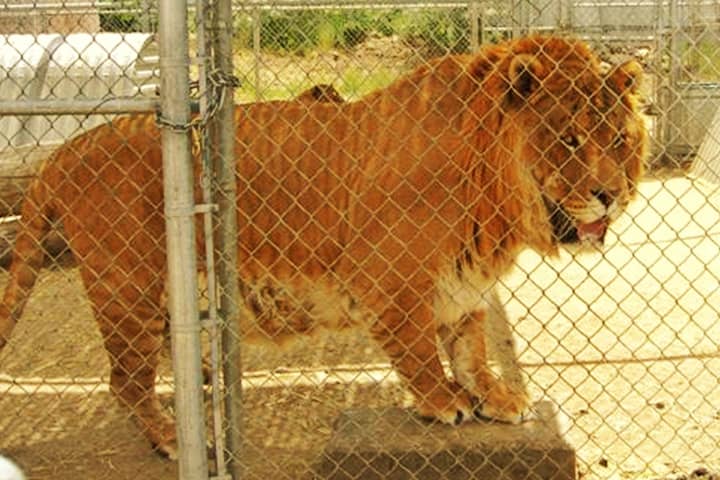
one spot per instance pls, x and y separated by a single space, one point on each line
399 171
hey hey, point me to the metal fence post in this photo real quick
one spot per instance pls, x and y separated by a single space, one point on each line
257 28
222 131
179 213
474 17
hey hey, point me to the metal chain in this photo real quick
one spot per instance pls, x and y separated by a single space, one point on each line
218 82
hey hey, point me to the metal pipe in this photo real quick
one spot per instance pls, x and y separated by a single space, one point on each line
33 91
350 4
474 18
659 84
670 90
179 219
569 16
257 26
223 135
213 329
78 107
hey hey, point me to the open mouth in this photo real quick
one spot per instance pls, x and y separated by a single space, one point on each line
593 232
567 230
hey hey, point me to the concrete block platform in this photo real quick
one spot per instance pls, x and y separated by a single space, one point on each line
394 444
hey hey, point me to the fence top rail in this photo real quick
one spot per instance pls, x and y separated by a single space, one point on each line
347 4
298 4
641 3
108 5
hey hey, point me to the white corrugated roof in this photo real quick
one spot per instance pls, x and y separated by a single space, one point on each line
99 52
79 65
21 54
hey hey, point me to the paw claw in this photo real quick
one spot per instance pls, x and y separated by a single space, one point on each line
477 413
459 417
166 451
481 414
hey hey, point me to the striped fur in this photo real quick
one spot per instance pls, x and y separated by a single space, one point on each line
395 212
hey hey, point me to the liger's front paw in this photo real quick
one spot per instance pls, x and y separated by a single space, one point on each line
160 431
449 404
502 403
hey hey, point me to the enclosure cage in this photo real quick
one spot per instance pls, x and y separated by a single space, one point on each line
616 348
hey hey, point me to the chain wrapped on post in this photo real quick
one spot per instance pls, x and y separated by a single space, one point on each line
215 96
219 83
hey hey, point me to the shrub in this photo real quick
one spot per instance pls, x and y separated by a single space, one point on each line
438 31
127 16
300 31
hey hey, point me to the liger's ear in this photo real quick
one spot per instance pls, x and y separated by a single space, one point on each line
625 78
524 74
483 63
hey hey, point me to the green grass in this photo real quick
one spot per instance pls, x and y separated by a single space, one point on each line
352 84
701 62
356 83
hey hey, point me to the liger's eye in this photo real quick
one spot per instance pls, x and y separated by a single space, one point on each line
570 141
619 140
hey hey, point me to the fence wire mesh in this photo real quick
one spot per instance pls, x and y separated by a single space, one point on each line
354 193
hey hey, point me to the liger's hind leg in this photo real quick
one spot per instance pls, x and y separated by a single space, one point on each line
464 342
132 323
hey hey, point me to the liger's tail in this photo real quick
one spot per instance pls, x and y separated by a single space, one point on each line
28 254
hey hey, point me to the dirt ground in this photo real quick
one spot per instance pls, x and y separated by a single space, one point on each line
624 343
